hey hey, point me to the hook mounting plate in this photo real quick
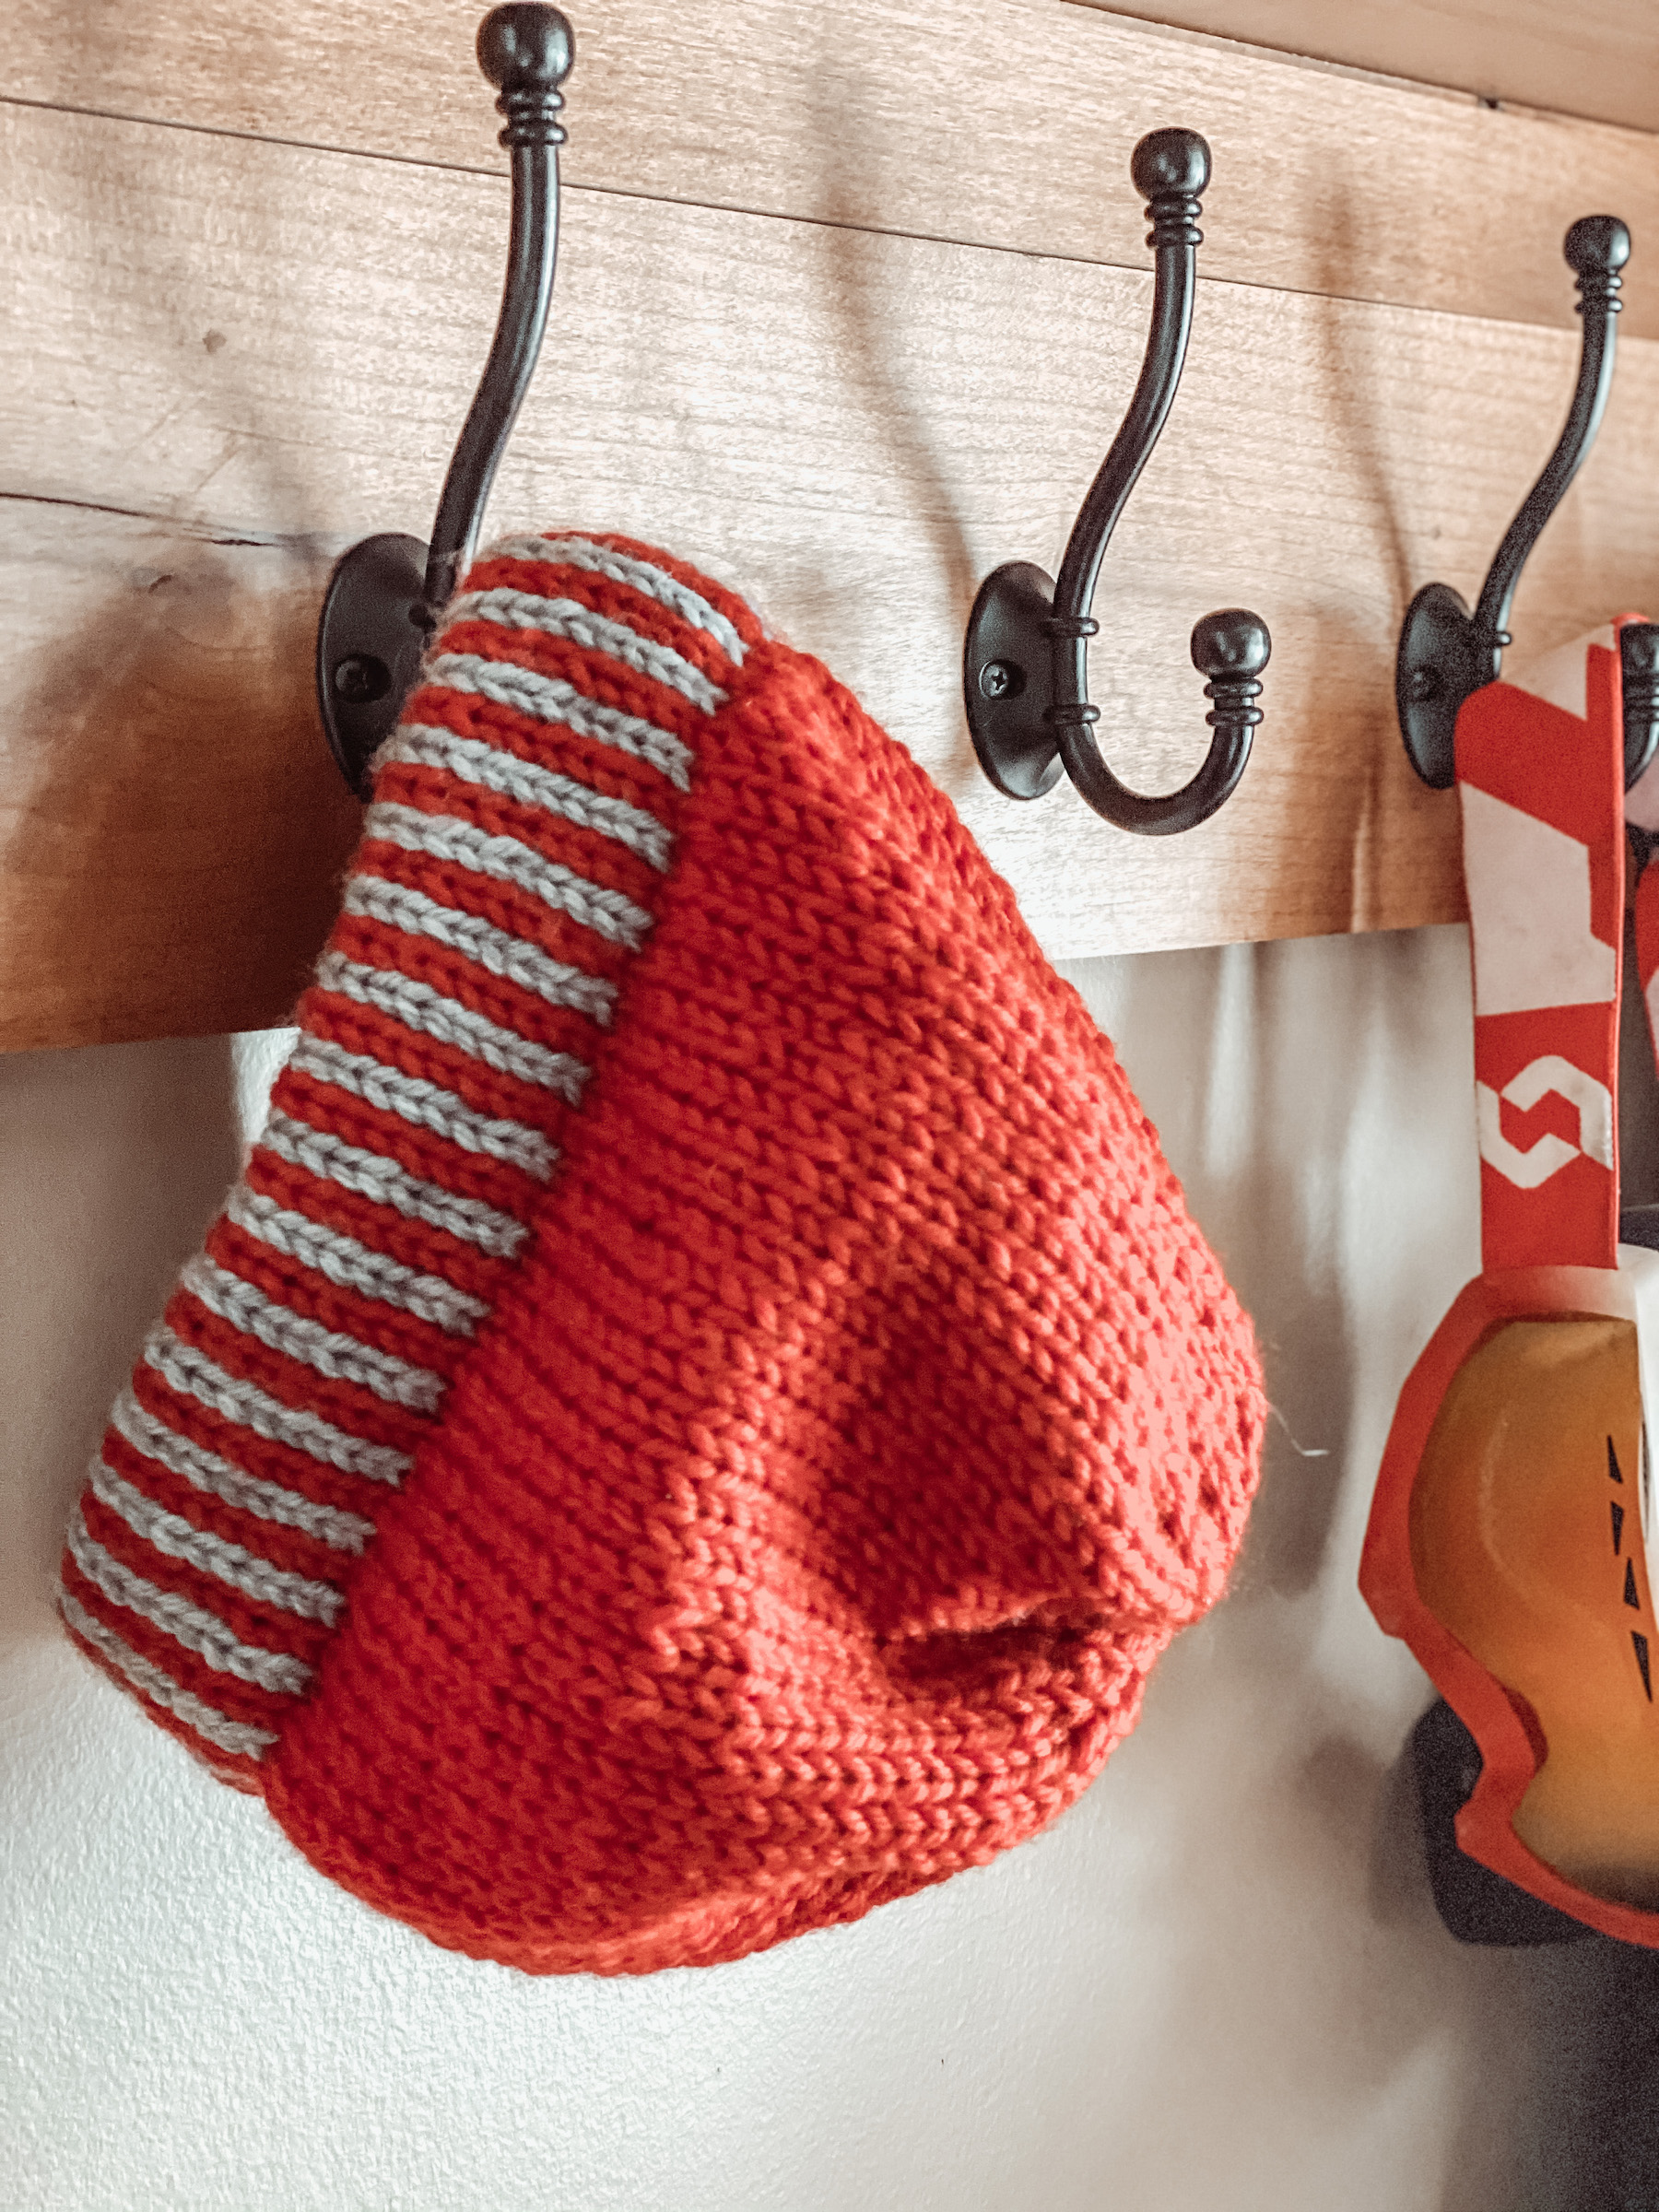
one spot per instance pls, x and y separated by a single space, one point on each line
369 641
1436 669
1008 680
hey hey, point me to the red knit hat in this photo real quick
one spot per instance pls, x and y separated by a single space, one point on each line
707 1401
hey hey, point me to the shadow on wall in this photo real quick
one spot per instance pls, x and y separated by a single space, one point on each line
1284 1080
1331 1177
1219 1981
113 1162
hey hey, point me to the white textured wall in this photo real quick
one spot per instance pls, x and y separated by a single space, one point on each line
1218 1983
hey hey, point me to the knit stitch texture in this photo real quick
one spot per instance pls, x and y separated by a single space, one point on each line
707 1401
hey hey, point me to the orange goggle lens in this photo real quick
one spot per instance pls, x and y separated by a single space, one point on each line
1526 1543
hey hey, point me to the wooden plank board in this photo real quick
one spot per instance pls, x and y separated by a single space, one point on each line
1598 59
853 428
172 830
997 122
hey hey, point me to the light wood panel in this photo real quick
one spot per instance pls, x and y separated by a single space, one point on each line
172 830
999 123
851 428
1596 59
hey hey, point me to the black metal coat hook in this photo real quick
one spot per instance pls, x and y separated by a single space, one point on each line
1025 669
1446 652
387 592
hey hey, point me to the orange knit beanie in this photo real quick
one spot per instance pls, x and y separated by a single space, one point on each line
707 1402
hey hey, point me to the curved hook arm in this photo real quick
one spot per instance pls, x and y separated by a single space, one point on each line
1170 170
1446 652
1230 648
1595 248
525 50
1022 746
387 592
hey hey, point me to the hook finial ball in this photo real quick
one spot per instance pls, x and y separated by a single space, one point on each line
1169 162
1596 243
525 47
1229 644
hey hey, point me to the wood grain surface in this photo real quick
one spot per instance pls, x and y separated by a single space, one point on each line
229 356
1599 58
172 830
995 123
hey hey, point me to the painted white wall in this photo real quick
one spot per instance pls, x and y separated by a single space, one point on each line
1217 1982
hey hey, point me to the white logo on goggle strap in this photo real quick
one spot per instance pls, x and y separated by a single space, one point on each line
1527 1169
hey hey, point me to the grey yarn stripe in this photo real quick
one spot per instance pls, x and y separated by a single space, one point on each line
622 567
352 1266
419 1007
424 1105
551 699
508 860
475 762
192 1626
515 959
215 1727
330 1351
569 619
248 1493
179 1539
191 1372
373 1175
